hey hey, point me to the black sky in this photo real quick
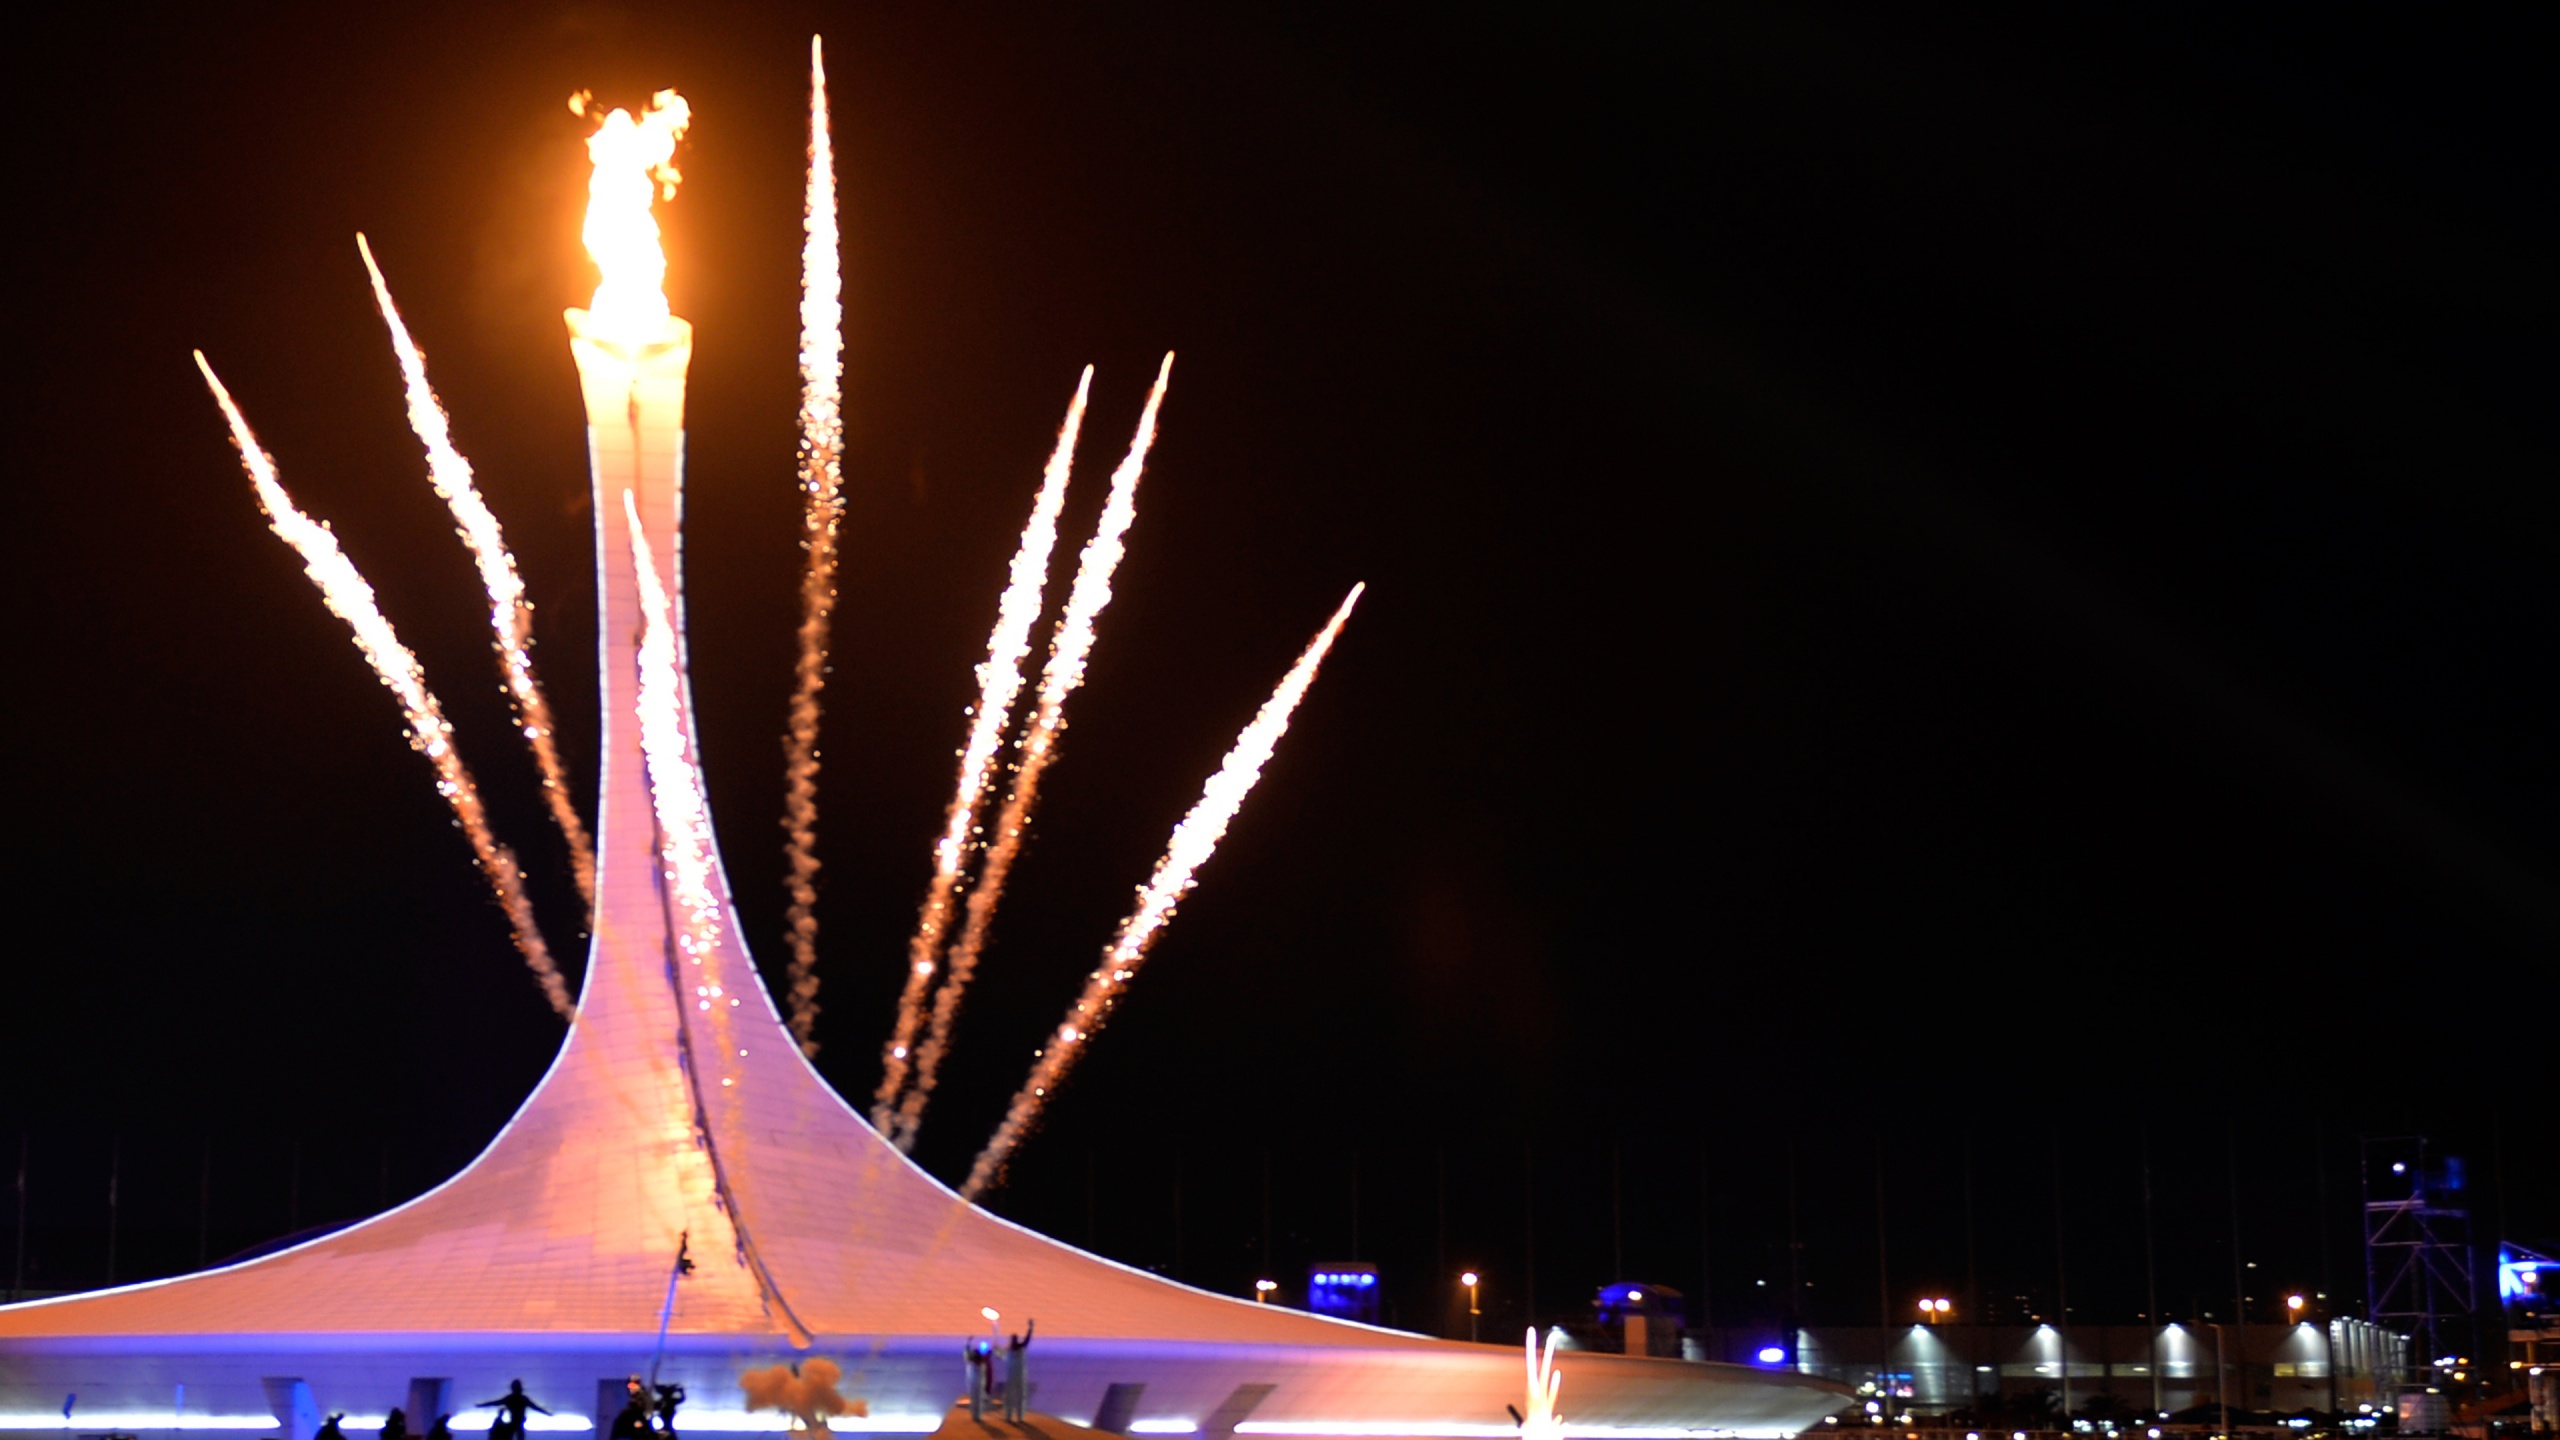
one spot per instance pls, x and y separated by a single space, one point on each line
1957 579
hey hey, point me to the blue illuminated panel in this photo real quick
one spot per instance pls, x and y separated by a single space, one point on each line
1347 1290
2528 1283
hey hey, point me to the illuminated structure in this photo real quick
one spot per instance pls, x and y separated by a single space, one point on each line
2417 1248
1343 1289
682 1194
2340 1364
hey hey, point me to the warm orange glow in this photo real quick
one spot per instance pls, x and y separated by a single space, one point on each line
348 595
634 164
510 613
1194 841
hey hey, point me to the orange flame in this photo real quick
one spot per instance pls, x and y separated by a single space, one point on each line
1194 840
634 164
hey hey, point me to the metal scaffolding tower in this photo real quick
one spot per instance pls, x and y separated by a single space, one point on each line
2417 1246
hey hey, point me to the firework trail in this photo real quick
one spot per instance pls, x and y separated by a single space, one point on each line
689 864
1541 1421
430 735
675 789
999 681
510 613
1069 644
822 483
1193 842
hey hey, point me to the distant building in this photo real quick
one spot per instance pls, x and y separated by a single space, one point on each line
1641 1319
2344 1366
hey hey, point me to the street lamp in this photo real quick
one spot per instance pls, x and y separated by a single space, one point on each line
1935 1309
1471 1279
1262 1291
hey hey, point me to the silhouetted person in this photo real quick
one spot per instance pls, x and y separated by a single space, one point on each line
442 1429
509 1424
395 1426
1017 1372
669 1397
633 1421
329 1429
980 1355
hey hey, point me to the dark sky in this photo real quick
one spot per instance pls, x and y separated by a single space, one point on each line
1943 584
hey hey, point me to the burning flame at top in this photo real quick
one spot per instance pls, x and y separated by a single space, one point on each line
635 164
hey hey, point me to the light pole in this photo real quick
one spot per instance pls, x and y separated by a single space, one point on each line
1471 1280
2221 1379
1262 1291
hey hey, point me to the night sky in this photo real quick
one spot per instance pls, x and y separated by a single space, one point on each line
1952 594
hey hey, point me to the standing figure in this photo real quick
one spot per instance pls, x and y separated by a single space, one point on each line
442 1429
1017 1372
329 1429
509 1421
632 1423
980 1356
669 1397
395 1426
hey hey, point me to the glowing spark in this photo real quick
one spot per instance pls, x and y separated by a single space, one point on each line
430 735
510 613
634 163
1193 842
686 854
1540 1421
1069 644
821 482
999 681
689 866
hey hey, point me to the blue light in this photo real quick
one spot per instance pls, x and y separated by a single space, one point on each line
1772 1355
2522 1279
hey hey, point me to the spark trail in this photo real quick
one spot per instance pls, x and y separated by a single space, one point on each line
510 613
430 734
688 862
1194 840
1069 644
999 681
822 486
1541 1422
686 853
